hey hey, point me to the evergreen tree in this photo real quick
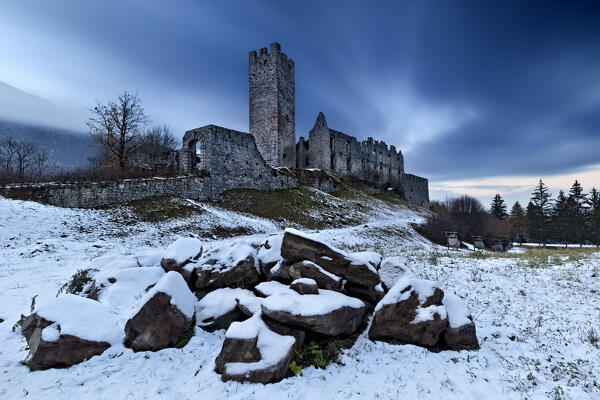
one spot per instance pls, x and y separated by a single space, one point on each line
517 221
560 218
533 216
498 208
577 213
539 221
594 201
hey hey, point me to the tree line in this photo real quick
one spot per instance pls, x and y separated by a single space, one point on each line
572 217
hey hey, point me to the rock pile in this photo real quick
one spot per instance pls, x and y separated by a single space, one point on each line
267 296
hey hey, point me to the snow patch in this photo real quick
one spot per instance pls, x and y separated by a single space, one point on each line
458 312
183 249
172 284
220 302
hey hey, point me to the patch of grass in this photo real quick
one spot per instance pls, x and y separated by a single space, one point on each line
594 337
158 209
32 365
186 336
479 255
302 206
320 351
76 284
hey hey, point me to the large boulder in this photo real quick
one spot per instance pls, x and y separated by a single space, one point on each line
162 316
219 308
308 269
253 352
328 312
460 333
228 266
69 330
296 247
412 312
180 253
370 294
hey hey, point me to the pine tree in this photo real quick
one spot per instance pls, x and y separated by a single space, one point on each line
576 211
541 202
560 218
533 216
594 215
498 208
517 221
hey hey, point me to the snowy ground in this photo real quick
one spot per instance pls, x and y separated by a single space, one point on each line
535 325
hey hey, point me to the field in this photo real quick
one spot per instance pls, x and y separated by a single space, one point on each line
537 311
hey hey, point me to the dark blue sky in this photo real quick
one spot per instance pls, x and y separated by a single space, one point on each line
467 89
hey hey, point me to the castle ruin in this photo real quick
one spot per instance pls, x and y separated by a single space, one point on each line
258 160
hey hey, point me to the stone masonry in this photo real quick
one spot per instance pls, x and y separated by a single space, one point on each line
214 159
273 106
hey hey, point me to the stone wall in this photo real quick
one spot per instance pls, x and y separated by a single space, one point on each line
98 194
339 153
272 105
416 190
232 161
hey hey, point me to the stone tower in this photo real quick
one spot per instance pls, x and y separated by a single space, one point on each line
319 147
273 106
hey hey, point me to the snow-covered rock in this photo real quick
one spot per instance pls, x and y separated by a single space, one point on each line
232 265
269 254
179 254
252 352
308 269
370 294
411 312
219 308
305 286
162 316
328 312
461 331
297 246
69 330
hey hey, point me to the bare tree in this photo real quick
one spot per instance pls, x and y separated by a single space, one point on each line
19 158
158 139
117 125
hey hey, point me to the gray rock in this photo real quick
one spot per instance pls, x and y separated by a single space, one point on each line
396 320
328 313
305 286
157 325
370 294
245 359
67 350
461 333
308 269
296 247
223 267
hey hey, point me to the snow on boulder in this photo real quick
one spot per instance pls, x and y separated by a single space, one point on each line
162 315
219 308
308 269
460 333
121 289
252 352
269 254
270 288
297 246
369 258
232 265
305 286
68 330
179 254
412 312
328 312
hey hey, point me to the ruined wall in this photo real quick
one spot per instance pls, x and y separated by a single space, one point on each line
302 153
337 152
272 105
416 189
232 161
98 194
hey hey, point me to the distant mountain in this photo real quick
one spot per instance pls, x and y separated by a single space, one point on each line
53 128
17 105
66 149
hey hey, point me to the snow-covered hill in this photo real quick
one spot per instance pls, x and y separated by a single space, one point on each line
535 321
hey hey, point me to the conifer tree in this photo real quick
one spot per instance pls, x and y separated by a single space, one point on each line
560 218
594 201
498 208
517 221
576 210
542 207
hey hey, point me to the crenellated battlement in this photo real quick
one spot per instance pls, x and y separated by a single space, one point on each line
273 57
